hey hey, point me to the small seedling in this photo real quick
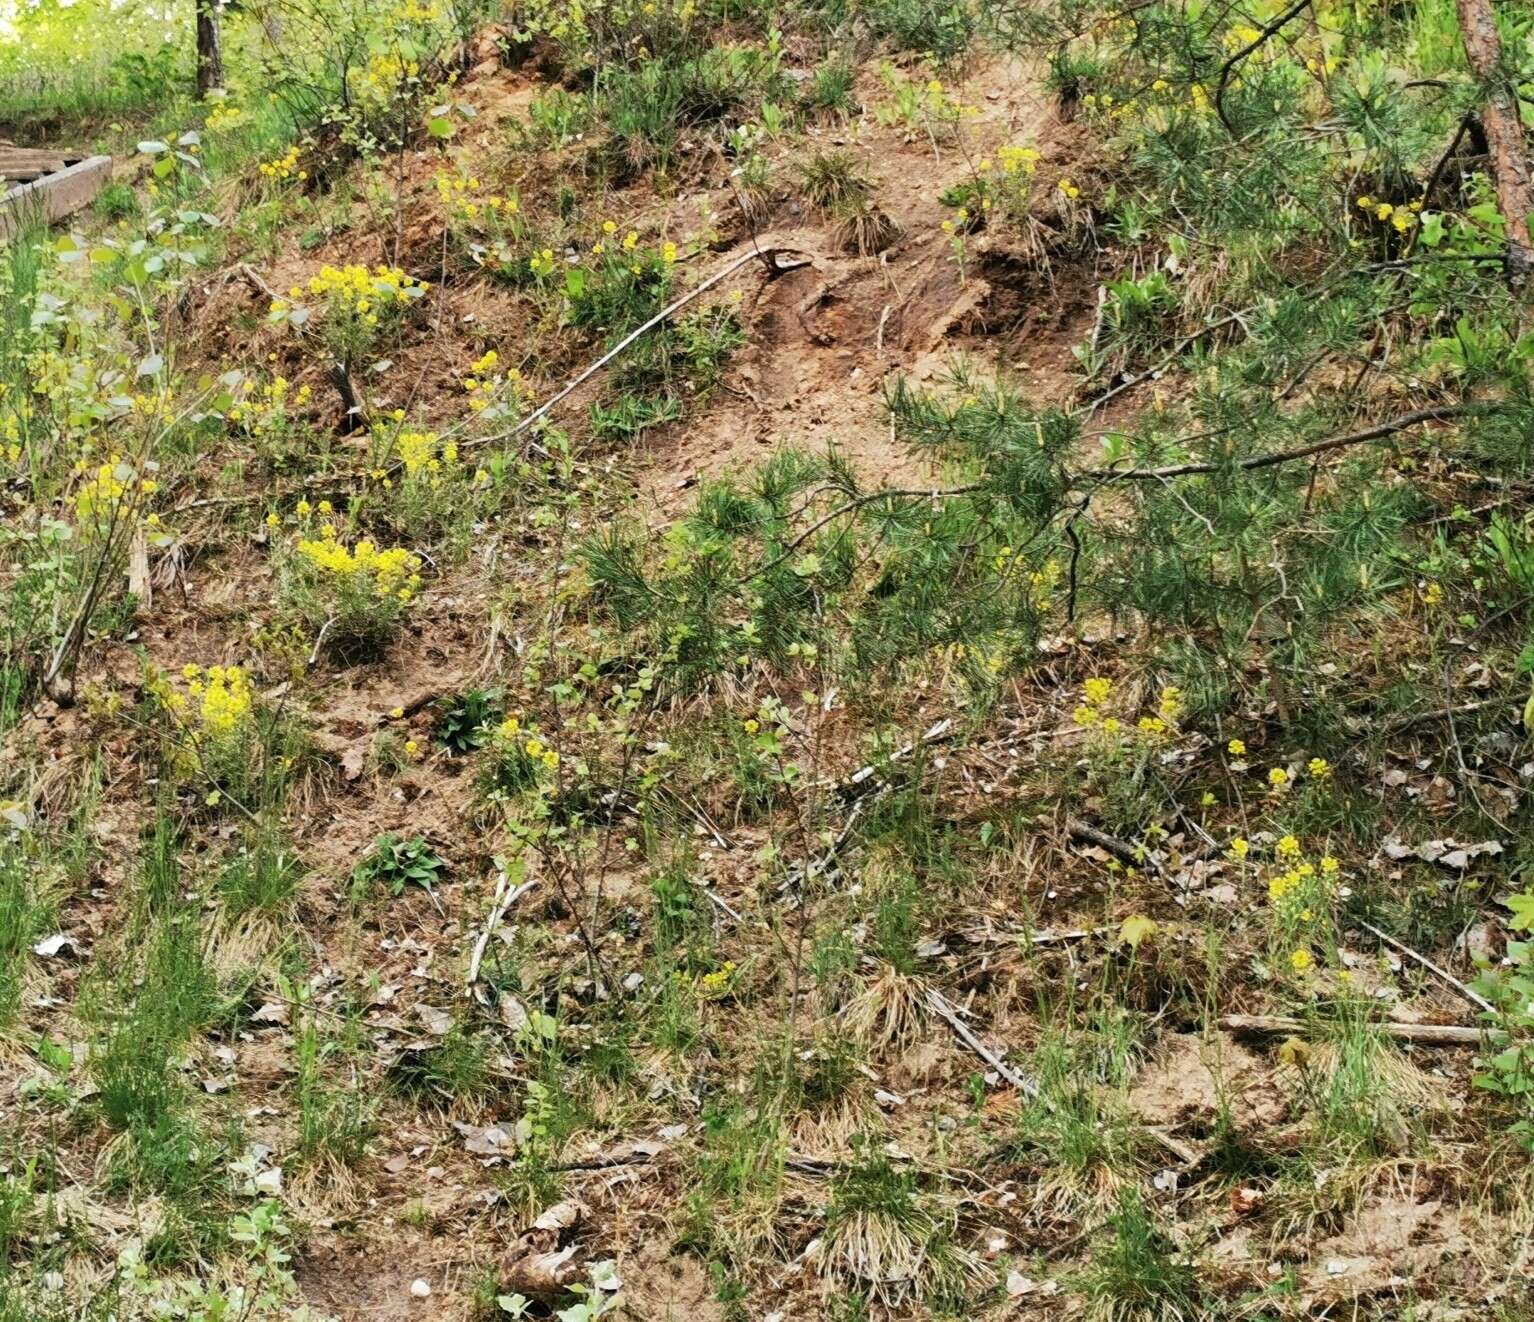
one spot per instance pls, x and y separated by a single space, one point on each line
465 722
397 864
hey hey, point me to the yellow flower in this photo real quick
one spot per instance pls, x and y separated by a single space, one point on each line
1237 748
396 713
1320 768
1239 847
1278 777
1288 847
1097 691
411 747
751 726
1300 960
1329 865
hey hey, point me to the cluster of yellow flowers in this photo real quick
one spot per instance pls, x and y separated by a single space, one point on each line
1300 894
356 284
353 297
423 450
285 167
223 114
489 389
303 509
394 572
1279 778
1400 219
1042 581
1096 692
1070 190
1015 160
218 703
461 199
264 410
510 737
385 73
414 11
715 984
108 484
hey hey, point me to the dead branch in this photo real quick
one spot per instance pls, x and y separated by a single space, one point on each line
940 1006
1122 850
1426 1035
1474 997
771 258
1438 413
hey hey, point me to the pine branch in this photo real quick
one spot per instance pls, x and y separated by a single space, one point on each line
1441 413
1294 11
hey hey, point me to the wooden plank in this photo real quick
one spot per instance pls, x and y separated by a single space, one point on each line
56 195
23 163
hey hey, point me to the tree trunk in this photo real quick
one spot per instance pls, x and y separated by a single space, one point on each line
210 54
1504 132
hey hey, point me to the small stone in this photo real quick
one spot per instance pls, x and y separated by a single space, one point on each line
420 1289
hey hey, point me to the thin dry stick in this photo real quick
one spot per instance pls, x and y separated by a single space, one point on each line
1120 849
506 895
1474 997
1426 1035
769 257
941 1007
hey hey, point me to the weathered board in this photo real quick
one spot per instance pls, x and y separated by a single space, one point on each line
49 184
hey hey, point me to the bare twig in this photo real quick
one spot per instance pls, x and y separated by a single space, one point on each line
940 1006
1474 997
771 258
506 895
1120 849
1426 1035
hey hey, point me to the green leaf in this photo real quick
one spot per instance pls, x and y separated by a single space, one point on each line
440 127
1522 907
1137 928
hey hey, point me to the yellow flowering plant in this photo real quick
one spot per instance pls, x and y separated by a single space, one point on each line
354 595
1001 185
211 721
620 282
516 757
350 306
489 228
1302 894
